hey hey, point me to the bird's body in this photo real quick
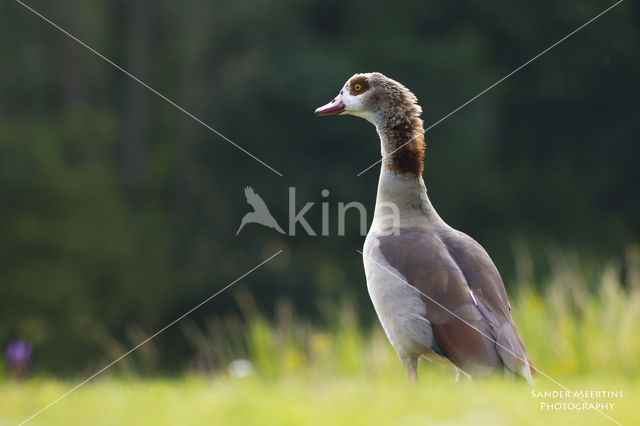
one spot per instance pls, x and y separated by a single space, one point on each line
434 289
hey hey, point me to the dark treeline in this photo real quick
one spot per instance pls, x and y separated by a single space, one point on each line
118 212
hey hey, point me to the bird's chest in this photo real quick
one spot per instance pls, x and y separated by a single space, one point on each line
398 304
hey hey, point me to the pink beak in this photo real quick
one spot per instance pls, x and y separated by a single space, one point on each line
334 107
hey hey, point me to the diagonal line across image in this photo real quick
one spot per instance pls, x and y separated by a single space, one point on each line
151 89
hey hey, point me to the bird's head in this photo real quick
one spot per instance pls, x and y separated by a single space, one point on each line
393 109
374 97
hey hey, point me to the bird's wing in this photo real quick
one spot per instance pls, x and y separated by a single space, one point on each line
461 329
484 280
254 199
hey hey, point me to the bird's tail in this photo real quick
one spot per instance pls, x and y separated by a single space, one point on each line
512 351
277 227
532 369
240 227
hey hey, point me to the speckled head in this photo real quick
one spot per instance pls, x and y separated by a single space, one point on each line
374 97
393 109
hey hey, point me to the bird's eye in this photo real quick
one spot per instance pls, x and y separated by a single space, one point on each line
357 87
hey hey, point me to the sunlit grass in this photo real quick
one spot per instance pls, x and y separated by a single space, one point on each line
309 399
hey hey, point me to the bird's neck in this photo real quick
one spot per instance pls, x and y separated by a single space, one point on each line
401 182
402 201
402 144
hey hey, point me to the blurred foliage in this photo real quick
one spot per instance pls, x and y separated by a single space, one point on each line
568 328
581 324
118 212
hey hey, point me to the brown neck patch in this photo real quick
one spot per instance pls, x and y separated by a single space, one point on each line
407 146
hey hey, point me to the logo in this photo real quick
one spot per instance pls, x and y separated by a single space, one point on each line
386 213
260 213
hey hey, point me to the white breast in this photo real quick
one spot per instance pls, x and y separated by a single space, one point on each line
398 304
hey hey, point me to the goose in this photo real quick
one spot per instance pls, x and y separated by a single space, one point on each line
434 289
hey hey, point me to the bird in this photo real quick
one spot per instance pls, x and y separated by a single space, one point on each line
435 290
260 213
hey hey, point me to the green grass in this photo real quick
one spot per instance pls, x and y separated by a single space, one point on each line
301 399
581 330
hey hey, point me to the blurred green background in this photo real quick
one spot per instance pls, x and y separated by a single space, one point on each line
118 212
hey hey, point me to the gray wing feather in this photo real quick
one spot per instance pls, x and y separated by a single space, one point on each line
484 280
446 266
